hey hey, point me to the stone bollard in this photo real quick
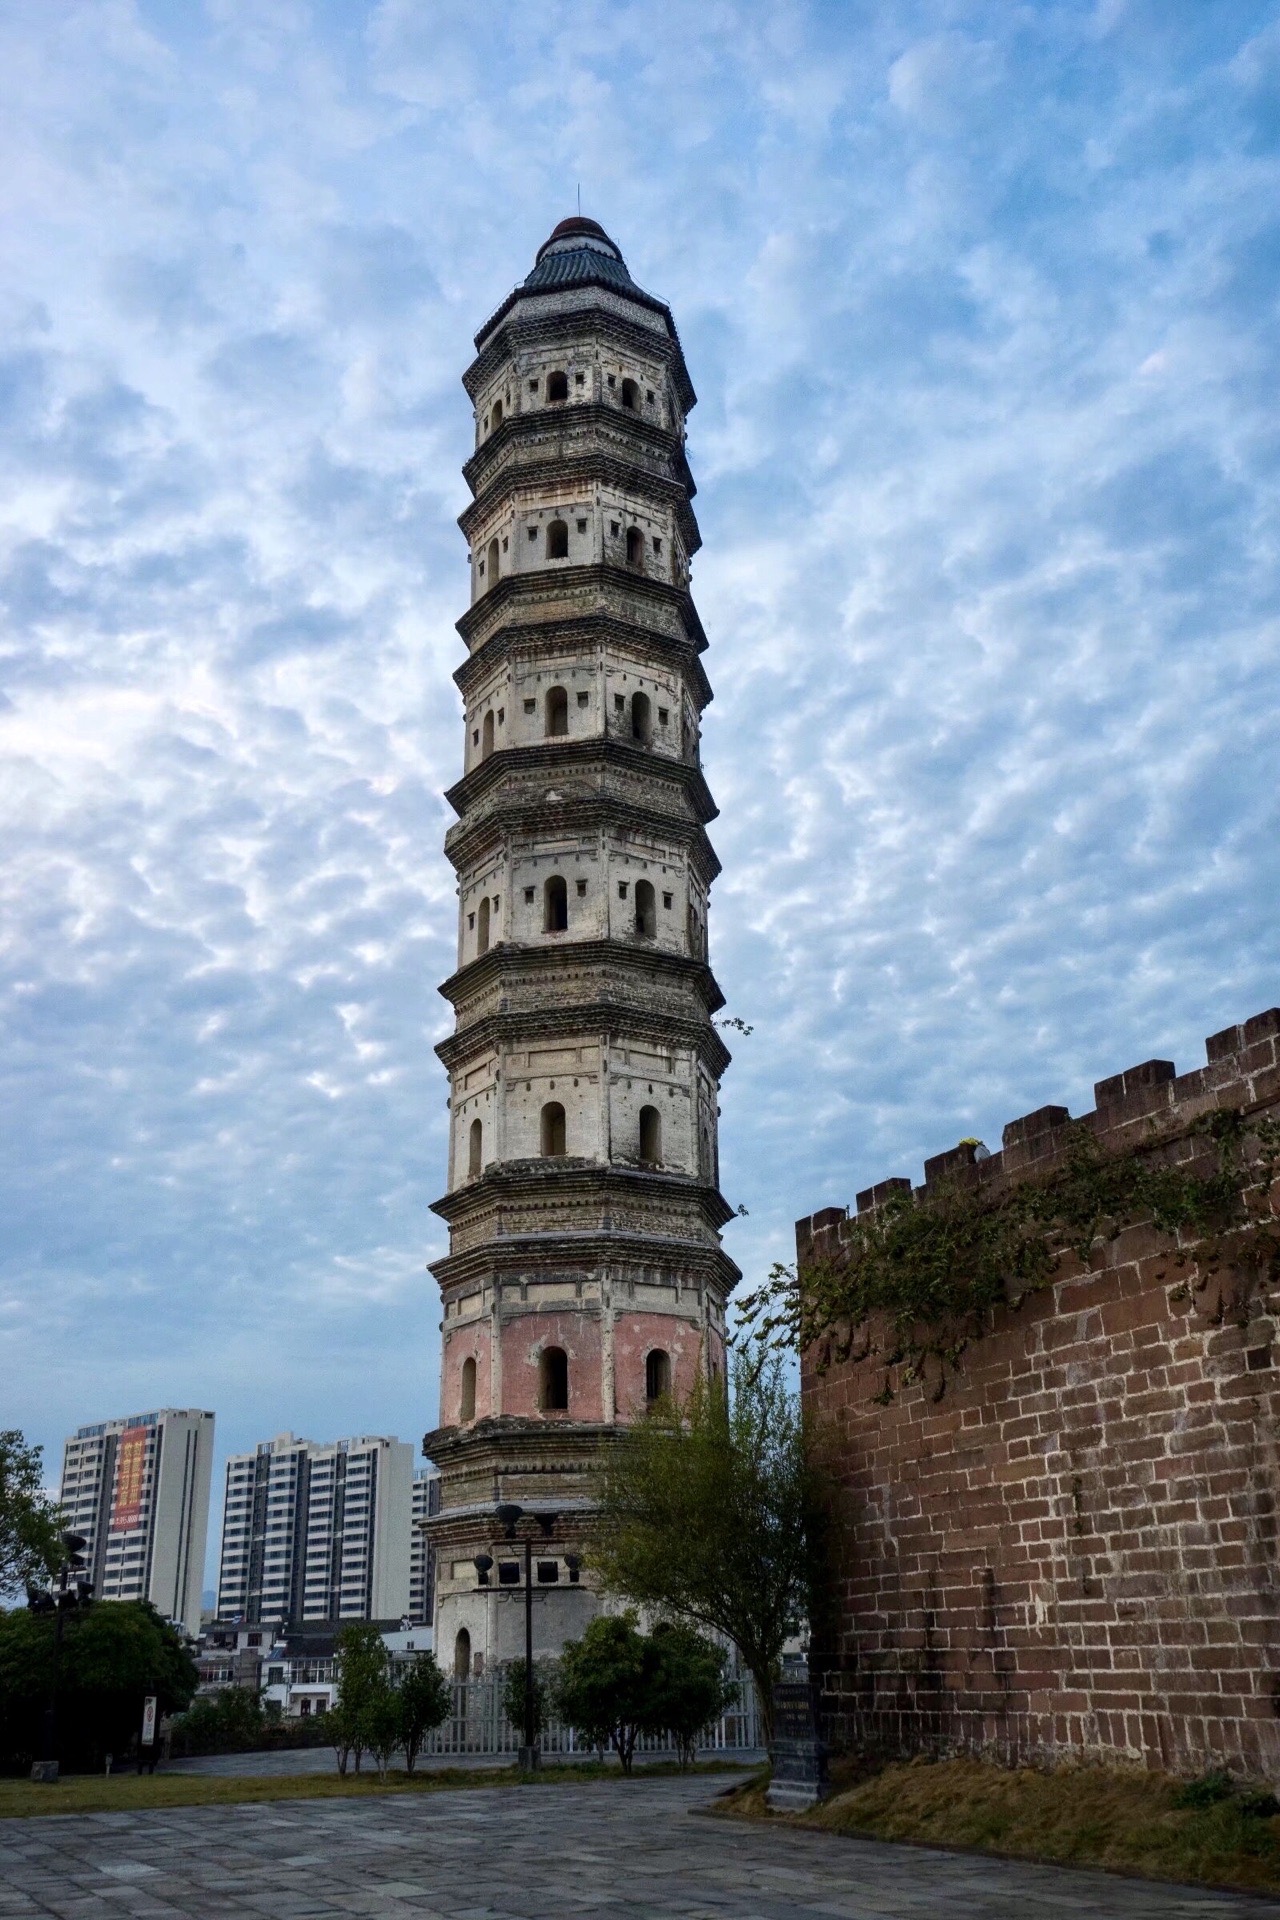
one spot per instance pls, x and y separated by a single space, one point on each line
797 1754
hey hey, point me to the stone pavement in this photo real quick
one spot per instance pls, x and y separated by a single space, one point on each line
601 1851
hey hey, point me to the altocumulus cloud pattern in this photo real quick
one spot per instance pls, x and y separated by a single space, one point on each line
981 303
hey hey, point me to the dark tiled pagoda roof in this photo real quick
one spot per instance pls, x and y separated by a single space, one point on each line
595 261
581 264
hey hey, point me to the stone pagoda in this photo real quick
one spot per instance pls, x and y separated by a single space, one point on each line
585 1276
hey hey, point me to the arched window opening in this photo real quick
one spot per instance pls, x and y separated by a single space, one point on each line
555 905
558 540
553 1380
486 736
557 386
497 414
635 549
650 1136
657 1375
475 1146
641 719
557 712
646 911
630 394
494 568
467 1403
553 1131
462 1655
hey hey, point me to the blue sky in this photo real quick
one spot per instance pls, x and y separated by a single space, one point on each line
981 302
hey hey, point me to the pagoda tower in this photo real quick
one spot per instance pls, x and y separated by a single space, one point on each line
585 1276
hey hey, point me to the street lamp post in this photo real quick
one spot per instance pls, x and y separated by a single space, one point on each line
67 1594
509 1515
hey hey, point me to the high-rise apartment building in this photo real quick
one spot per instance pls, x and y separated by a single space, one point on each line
317 1532
138 1491
422 1558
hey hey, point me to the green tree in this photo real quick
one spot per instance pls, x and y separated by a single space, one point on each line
426 1701
30 1545
229 1721
544 1690
382 1722
602 1684
685 1685
361 1668
113 1655
705 1513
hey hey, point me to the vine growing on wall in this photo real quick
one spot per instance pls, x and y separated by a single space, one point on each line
920 1276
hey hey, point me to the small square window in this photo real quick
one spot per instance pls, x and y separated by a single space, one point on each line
614 528
502 715
622 889
533 386
649 395
612 378
531 706
475 737
533 533
657 544
582 526
662 716
619 702
582 889
480 568
666 901
583 698
471 919
579 379
508 1573
528 895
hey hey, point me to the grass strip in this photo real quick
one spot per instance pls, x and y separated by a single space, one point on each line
131 1793
1126 1820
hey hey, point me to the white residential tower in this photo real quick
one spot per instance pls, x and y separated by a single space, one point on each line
317 1532
138 1490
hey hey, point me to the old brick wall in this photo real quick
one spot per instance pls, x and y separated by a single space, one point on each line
1074 1552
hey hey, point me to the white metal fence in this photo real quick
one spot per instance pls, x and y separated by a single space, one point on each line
479 1725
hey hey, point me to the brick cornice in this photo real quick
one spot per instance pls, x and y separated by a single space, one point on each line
505 959
532 639
613 1019
569 757
515 591
570 1178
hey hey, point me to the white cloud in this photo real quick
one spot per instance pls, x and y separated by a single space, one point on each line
981 309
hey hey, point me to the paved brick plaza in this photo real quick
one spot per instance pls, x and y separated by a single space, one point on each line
521 1854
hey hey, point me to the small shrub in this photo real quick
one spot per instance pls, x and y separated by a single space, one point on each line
1207 1791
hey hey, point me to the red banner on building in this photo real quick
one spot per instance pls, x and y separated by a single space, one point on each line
131 1457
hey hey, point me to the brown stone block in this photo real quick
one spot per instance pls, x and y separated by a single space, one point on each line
1265 1083
1261 1026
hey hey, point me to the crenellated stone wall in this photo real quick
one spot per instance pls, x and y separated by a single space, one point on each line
1074 1552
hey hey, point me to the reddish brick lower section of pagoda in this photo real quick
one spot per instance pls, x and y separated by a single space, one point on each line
635 1336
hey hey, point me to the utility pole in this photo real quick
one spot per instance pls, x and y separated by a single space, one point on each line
68 1593
510 1514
